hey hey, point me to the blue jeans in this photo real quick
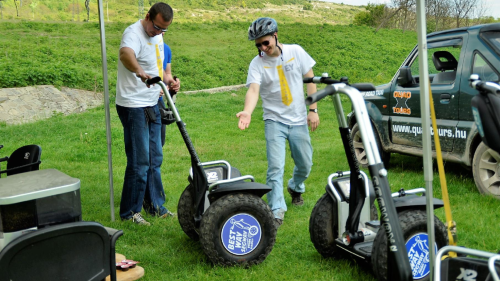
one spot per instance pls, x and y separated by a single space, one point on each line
300 146
142 186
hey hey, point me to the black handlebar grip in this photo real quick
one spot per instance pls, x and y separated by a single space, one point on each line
153 80
307 80
364 87
329 81
319 95
172 92
323 80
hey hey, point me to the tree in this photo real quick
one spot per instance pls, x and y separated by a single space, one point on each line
140 5
17 10
401 13
462 10
33 7
372 16
87 6
438 13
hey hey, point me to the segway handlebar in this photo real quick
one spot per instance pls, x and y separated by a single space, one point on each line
321 80
363 87
483 87
319 95
153 80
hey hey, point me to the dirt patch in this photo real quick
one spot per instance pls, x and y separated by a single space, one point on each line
29 104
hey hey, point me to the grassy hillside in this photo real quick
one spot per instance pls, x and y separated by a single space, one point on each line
185 11
205 55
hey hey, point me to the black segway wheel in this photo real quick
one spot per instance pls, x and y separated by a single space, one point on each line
414 226
323 226
185 213
238 229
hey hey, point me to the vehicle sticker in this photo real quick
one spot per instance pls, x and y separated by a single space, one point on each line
442 132
241 234
373 93
401 106
418 254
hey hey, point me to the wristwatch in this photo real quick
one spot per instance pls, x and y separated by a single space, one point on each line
314 110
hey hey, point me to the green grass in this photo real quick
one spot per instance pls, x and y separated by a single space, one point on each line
76 145
312 12
207 55
204 55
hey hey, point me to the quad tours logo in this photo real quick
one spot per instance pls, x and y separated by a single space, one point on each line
401 107
241 234
418 254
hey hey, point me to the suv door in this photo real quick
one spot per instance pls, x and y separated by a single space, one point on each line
405 122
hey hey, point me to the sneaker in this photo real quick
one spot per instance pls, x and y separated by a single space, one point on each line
138 219
168 214
278 222
297 199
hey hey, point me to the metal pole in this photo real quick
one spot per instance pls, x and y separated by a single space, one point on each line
426 135
106 108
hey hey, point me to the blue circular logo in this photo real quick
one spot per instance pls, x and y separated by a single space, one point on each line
418 254
241 234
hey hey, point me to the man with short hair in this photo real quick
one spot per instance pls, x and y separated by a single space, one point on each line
141 58
276 75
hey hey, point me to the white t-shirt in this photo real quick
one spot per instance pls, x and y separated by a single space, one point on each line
276 77
130 90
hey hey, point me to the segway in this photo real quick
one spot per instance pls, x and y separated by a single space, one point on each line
471 264
344 221
223 209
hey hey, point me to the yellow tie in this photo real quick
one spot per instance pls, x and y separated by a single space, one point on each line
159 62
286 95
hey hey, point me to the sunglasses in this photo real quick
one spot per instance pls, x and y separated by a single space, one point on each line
159 29
264 43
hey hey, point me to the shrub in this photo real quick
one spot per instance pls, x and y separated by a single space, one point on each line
372 17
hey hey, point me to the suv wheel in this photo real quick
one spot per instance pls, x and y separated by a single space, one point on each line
359 149
486 170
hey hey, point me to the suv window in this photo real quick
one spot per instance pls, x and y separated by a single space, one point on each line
446 76
493 39
483 69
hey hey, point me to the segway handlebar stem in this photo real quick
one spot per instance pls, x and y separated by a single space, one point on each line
398 264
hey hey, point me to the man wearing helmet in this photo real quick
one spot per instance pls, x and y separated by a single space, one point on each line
276 75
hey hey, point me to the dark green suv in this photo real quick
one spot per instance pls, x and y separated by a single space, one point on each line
394 108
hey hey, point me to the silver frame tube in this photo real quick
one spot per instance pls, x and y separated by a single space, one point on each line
490 256
361 113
